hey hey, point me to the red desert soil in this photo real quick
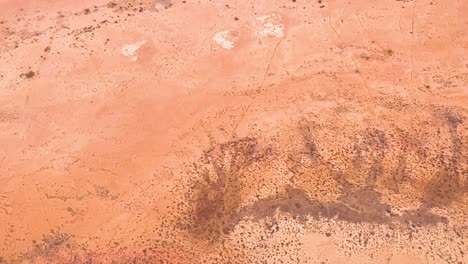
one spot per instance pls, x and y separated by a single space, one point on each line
196 131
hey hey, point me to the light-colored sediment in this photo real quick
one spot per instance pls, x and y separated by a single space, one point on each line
130 50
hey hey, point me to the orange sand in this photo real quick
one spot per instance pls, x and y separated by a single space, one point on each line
233 131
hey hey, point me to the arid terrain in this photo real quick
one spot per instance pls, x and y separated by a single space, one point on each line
196 131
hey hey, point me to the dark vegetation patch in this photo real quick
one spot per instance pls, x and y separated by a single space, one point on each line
28 75
164 3
446 187
8 116
356 204
360 206
399 175
217 199
216 203
111 5
370 150
49 246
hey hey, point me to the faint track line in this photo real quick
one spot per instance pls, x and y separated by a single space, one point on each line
269 64
411 47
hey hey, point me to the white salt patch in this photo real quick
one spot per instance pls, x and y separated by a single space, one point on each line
130 50
270 26
226 39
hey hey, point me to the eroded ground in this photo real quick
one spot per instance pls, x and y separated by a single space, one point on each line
233 131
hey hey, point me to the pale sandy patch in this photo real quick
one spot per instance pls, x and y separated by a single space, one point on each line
130 50
270 26
226 39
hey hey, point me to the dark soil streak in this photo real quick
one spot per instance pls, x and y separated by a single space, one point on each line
362 206
217 195
217 200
